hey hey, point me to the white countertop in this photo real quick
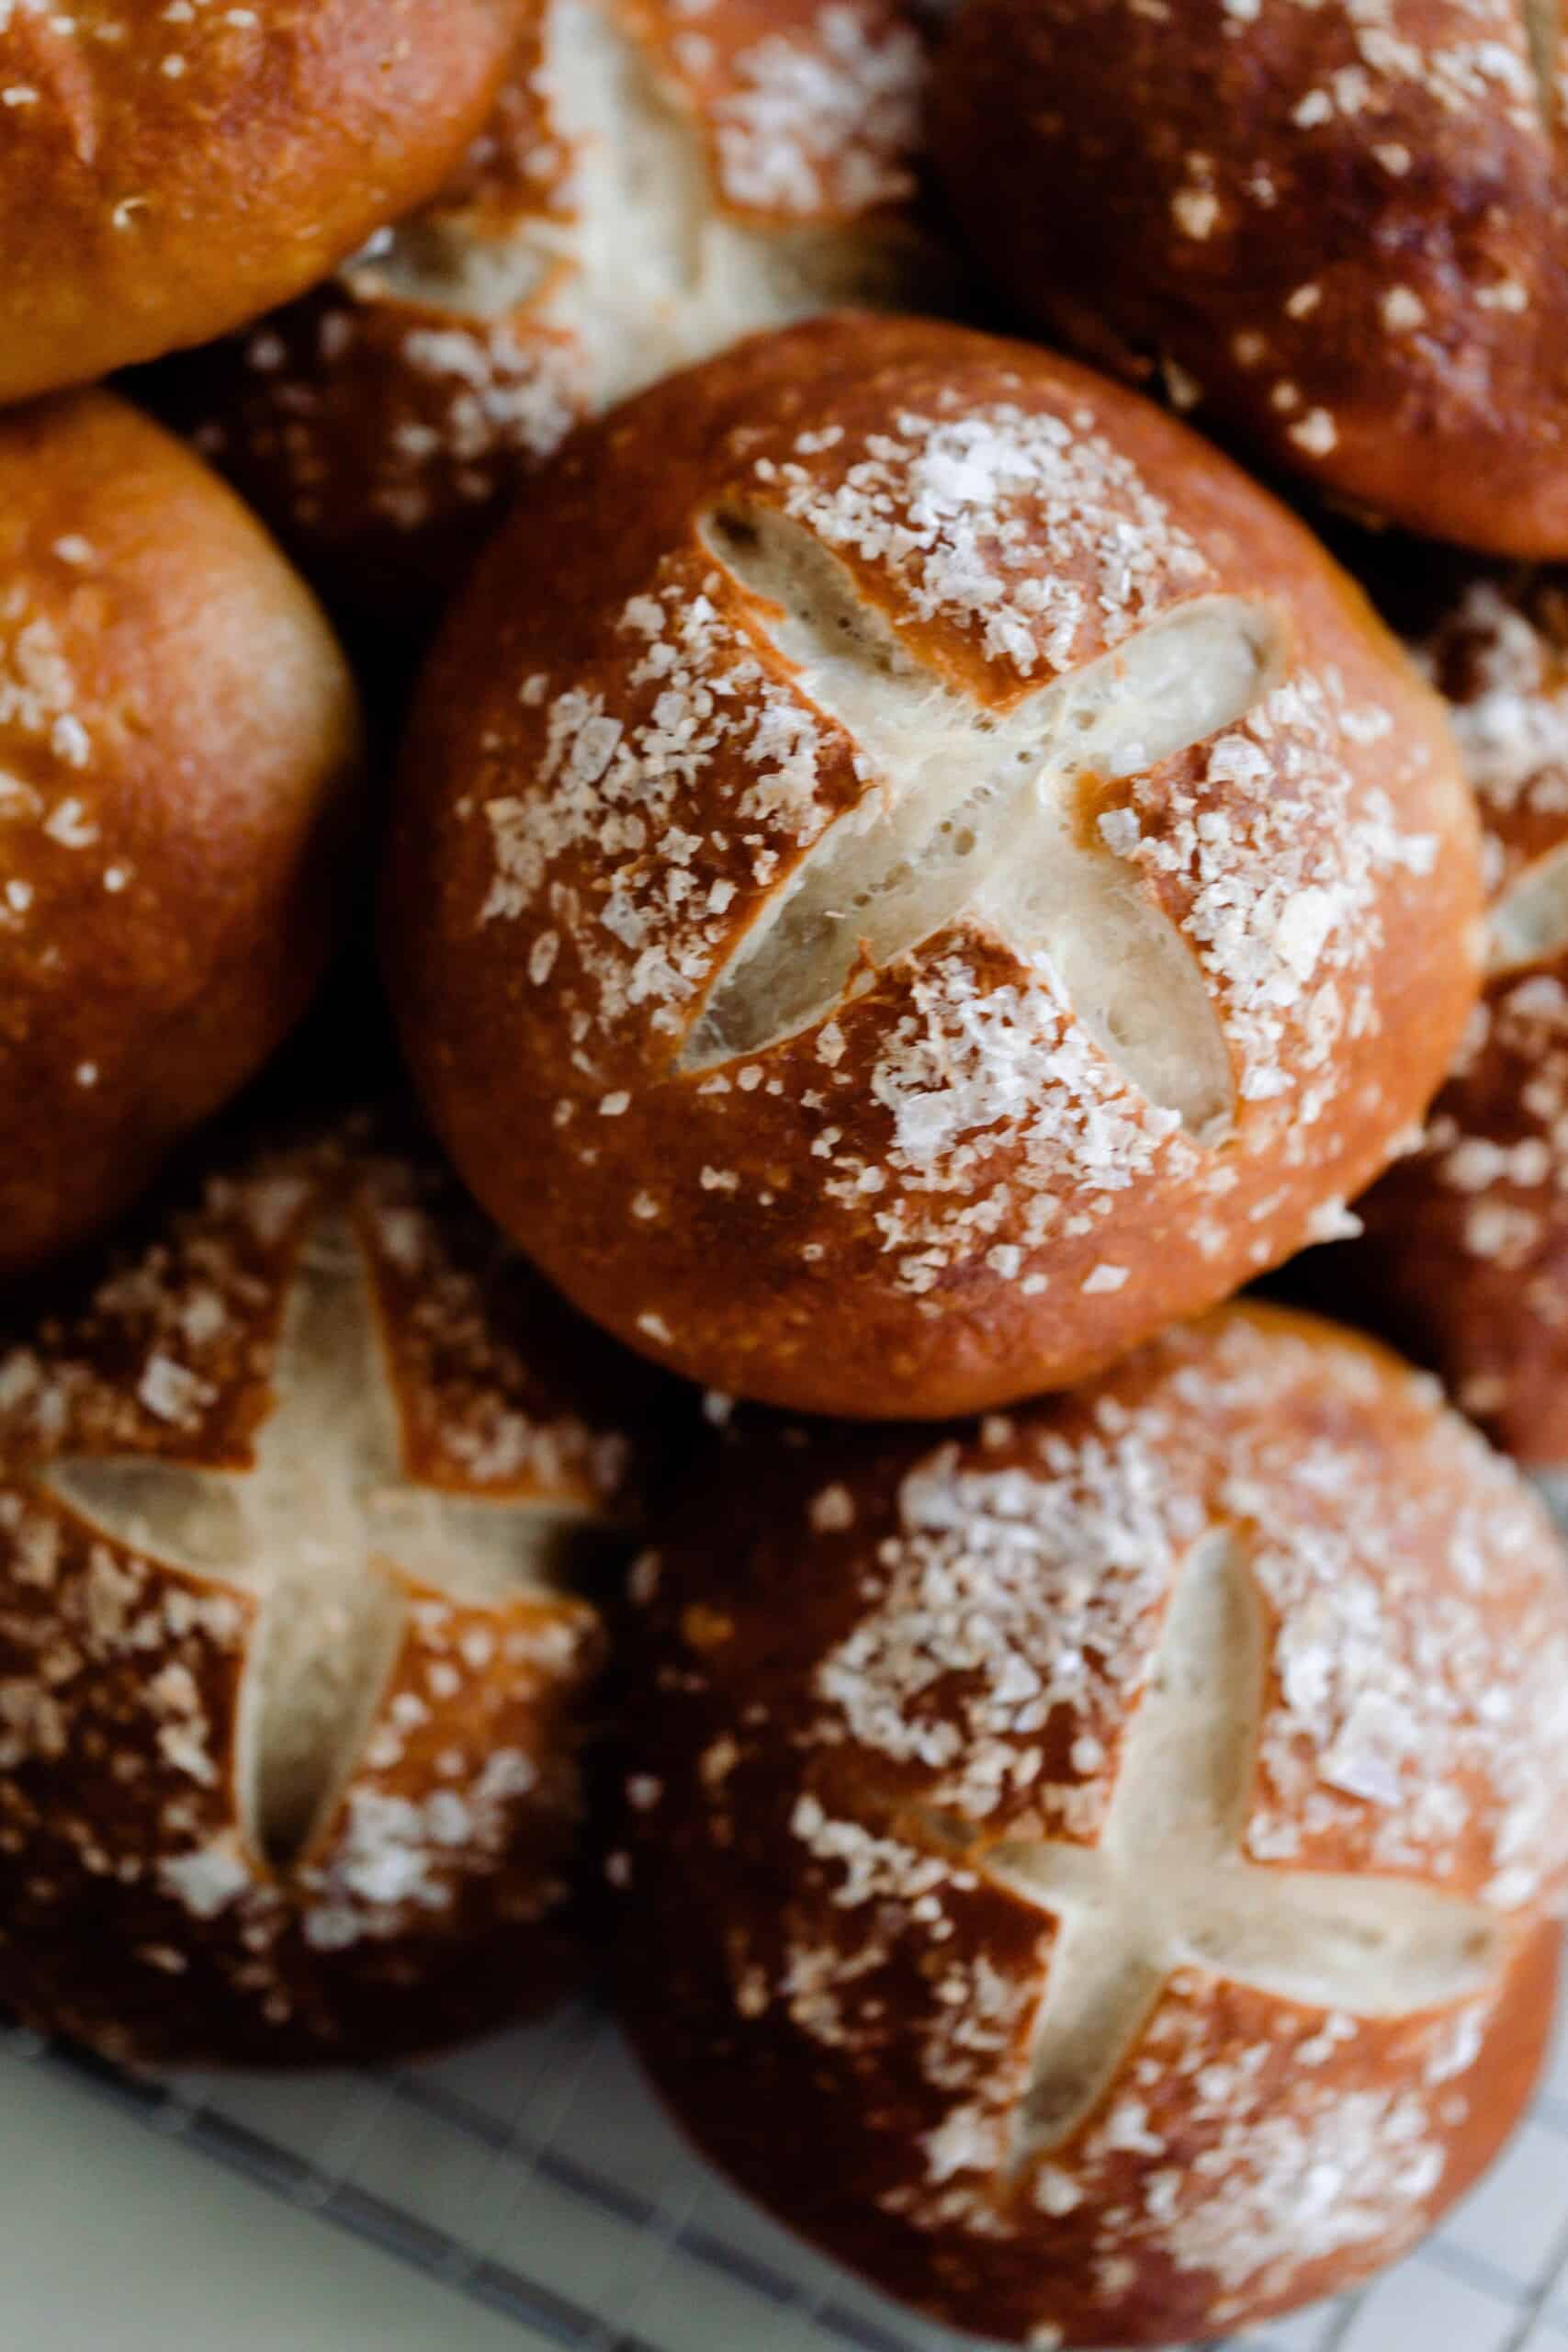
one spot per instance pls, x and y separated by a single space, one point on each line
114 2240
542 2152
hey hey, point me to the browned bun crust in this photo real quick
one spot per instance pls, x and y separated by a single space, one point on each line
650 187
166 174
179 738
944 1189
165 1892
1342 233
879 1672
1466 1253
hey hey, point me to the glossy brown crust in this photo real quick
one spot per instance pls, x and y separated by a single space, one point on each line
381 428
1341 233
179 738
364 423
135 1913
164 177
1466 1253
842 2017
781 152
726 1225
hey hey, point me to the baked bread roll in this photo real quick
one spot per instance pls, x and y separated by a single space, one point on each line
292 1656
1099 1873
1339 231
949 879
1467 1248
167 172
656 183
178 740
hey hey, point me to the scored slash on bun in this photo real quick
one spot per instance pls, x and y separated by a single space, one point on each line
1340 231
950 879
1098 1873
1467 1239
292 1666
166 173
654 185
179 742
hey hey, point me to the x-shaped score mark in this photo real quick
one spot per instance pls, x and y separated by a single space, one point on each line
317 1527
1168 1887
978 813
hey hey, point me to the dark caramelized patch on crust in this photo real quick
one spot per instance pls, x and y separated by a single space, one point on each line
1338 233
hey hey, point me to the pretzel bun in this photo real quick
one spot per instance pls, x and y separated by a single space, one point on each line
948 879
291 1663
1466 1253
166 173
179 737
1099 1873
1341 233
654 186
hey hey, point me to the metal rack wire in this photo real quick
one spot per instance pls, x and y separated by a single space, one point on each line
537 2177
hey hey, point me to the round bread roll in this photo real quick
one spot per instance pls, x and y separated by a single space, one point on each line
1341 232
1098 1872
655 184
949 879
167 172
1467 1248
179 737
292 1659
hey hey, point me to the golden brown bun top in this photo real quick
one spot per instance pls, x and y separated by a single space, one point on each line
167 172
179 737
292 1507
609 791
1341 230
652 185
959 1625
888 1679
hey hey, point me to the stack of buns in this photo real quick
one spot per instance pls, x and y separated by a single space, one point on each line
907 881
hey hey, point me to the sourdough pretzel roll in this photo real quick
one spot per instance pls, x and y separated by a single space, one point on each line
1341 232
167 172
655 182
1098 1872
179 738
1467 1248
291 1660
949 879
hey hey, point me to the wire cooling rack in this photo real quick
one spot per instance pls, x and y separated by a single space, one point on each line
536 2176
